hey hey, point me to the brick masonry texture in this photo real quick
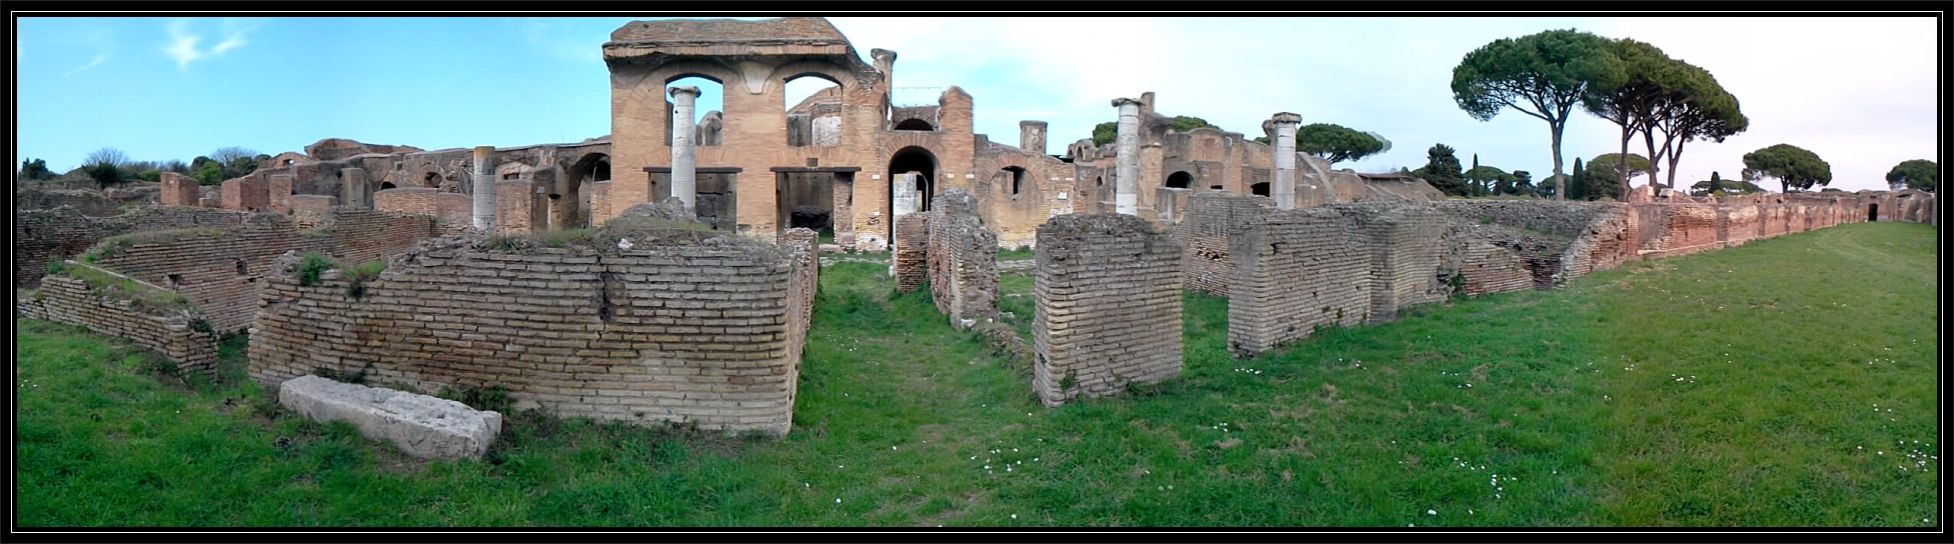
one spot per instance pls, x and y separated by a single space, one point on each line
911 259
1203 235
1108 306
67 299
672 331
962 257
1295 271
44 236
1403 243
220 269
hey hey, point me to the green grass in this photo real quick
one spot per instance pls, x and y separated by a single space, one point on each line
1784 345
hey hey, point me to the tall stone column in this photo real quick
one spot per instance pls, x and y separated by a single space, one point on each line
484 213
902 201
1126 174
1281 128
684 162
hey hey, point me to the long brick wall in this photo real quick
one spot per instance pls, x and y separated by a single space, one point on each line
1203 235
698 333
70 300
352 236
1680 229
1108 306
962 258
1295 271
44 236
1608 240
452 211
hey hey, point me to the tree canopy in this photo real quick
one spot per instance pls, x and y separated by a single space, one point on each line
1919 174
34 169
1544 75
1105 133
1717 185
1182 123
1336 143
1791 165
1442 170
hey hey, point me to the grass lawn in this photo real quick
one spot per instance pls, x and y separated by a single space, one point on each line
1789 382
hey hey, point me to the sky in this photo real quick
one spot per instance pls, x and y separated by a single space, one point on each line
1861 92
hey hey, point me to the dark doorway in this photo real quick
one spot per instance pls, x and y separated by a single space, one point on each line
1180 180
1259 189
914 124
1872 212
909 159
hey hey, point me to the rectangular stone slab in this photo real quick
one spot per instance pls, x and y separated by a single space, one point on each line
420 425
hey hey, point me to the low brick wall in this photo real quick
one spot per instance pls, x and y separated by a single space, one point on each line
803 249
249 193
218 269
910 261
1108 306
352 236
1295 271
44 236
88 202
1669 230
962 259
179 190
1608 241
310 210
682 332
1403 242
70 300
1203 235
450 210
1738 223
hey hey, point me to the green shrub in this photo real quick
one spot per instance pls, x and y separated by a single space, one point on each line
312 266
494 398
357 276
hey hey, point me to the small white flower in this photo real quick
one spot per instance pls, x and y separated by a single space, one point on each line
1431 512
837 500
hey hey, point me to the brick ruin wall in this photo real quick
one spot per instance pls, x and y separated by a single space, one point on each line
1403 242
1738 223
681 332
1108 306
962 262
452 211
70 300
310 210
44 236
1295 271
803 248
219 268
1203 235
910 261
89 203
1608 241
1669 230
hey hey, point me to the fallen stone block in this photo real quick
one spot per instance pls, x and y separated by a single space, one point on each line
420 425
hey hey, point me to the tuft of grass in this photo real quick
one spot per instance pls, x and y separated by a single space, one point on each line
494 398
358 275
1537 408
312 266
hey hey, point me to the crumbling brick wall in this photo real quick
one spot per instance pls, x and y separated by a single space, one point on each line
962 259
310 210
71 300
910 261
1203 235
1295 271
218 269
179 190
1669 230
352 236
1490 259
667 331
1108 306
1739 223
89 203
44 236
1403 242
514 200
1609 240
450 210
249 193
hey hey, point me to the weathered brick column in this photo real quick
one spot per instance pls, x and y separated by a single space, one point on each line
1108 303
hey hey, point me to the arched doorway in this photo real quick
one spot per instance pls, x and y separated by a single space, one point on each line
905 160
914 124
569 202
1180 180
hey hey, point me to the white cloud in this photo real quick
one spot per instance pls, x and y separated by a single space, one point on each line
99 59
182 46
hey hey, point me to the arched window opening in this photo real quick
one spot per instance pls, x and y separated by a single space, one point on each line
1180 180
914 124
1016 175
813 106
1259 189
711 99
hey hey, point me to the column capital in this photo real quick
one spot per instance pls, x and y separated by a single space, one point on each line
676 91
1117 102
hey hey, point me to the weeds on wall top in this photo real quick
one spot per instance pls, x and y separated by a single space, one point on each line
312 266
